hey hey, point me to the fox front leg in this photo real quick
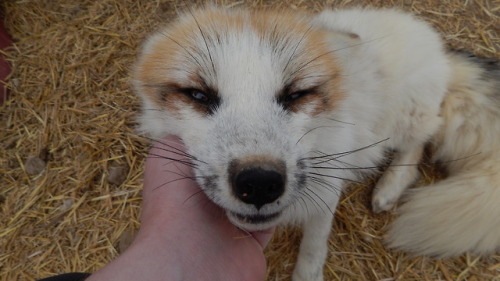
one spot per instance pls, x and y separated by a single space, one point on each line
313 248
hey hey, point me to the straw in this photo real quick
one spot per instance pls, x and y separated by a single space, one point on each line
71 164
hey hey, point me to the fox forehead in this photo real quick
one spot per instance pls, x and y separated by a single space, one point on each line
238 54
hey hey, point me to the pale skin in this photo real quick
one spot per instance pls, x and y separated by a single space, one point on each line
183 235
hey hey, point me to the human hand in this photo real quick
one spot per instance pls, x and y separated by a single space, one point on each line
183 235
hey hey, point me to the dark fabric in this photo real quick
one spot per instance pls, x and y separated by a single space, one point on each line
68 277
5 41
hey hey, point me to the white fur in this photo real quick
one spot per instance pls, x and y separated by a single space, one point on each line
460 213
395 75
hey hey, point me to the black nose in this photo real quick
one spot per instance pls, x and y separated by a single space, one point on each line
258 186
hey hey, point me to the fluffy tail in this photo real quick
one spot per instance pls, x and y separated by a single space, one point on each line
461 213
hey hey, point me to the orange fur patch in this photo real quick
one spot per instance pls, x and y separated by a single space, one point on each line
262 161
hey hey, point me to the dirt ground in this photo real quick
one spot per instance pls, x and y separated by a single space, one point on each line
71 163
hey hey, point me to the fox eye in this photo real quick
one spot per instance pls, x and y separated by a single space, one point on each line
294 96
297 95
197 95
206 100
293 100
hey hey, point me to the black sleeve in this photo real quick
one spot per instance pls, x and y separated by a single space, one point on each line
68 277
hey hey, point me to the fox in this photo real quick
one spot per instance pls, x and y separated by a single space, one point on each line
281 110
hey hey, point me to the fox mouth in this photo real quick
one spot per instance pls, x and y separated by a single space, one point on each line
256 219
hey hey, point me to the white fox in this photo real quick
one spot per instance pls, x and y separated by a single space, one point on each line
280 110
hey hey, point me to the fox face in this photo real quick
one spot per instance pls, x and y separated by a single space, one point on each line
244 91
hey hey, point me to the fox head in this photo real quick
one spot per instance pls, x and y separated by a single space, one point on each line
245 91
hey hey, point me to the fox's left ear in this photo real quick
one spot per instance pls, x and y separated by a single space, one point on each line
342 40
339 39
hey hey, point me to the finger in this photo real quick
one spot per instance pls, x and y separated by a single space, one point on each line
263 237
167 183
163 166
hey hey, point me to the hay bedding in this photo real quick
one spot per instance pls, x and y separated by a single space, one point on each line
71 165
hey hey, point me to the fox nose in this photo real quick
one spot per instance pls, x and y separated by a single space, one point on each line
258 184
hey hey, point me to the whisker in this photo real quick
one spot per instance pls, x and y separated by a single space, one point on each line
186 162
342 154
333 159
292 56
327 206
174 150
343 122
183 174
346 168
199 192
194 166
168 145
184 48
334 177
325 184
174 180
188 156
337 162
204 40
301 67
387 165
319 127
315 203
304 202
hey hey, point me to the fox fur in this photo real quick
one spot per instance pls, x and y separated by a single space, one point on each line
280 110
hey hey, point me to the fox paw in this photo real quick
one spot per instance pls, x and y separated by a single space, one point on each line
308 270
306 276
383 200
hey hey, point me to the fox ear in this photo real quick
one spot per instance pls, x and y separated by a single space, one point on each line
342 40
339 36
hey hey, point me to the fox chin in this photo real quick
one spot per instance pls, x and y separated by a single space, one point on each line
280 110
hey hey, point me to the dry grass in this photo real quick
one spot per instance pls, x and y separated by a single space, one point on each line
69 124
